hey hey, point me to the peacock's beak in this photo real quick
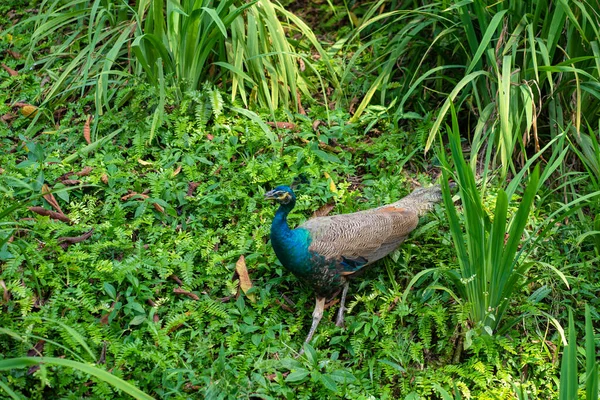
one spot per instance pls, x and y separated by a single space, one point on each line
270 195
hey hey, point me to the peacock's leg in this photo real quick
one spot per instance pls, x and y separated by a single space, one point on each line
317 315
339 321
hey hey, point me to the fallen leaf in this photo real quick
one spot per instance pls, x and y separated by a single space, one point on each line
65 176
49 197
8 117
301 109
186 293
191 187
5 292
177 171
324 210
65 242
132 194
272 377
332 186
104 179
102 359
71 182
188 387
282 125
10 71
45 80
159 208
14 54
144 163
86 130
85 171
36 351
245 282
331 303
29 111
50 213
284 306
316 124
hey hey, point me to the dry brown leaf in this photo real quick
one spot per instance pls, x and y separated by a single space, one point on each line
209 136
331 303
316 124
284 306
191 187
177 171
65 242
301 109
29 111
65 176
10 71
132 194
102 359
45 80
36 351
245 282
71 182
159 208
49 197
14 54
176 279
282 125
324 210
272 377
5 293
50 213
104 179
85 171
86 130
191 295
8 117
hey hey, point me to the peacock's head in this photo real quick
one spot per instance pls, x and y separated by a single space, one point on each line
281 194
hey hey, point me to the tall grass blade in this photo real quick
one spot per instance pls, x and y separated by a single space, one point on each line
568 369
118 383
591 363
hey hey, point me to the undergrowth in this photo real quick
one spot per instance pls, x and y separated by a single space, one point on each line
151 293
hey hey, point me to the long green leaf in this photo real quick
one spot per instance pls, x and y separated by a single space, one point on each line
118 383
568 369
591 363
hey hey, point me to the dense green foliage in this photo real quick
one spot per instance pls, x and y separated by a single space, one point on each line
166 194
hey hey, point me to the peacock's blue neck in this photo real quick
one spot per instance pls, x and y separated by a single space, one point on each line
290 245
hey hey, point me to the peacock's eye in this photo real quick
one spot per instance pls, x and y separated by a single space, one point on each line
283 196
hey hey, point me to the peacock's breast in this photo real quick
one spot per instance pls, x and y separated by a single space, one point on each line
313 269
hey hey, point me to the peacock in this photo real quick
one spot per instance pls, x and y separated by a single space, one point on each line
326 252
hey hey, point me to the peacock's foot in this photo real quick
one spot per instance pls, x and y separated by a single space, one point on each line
339 321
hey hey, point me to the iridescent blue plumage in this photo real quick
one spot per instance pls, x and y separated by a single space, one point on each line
290 245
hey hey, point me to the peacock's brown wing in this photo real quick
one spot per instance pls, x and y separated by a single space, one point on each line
360 238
